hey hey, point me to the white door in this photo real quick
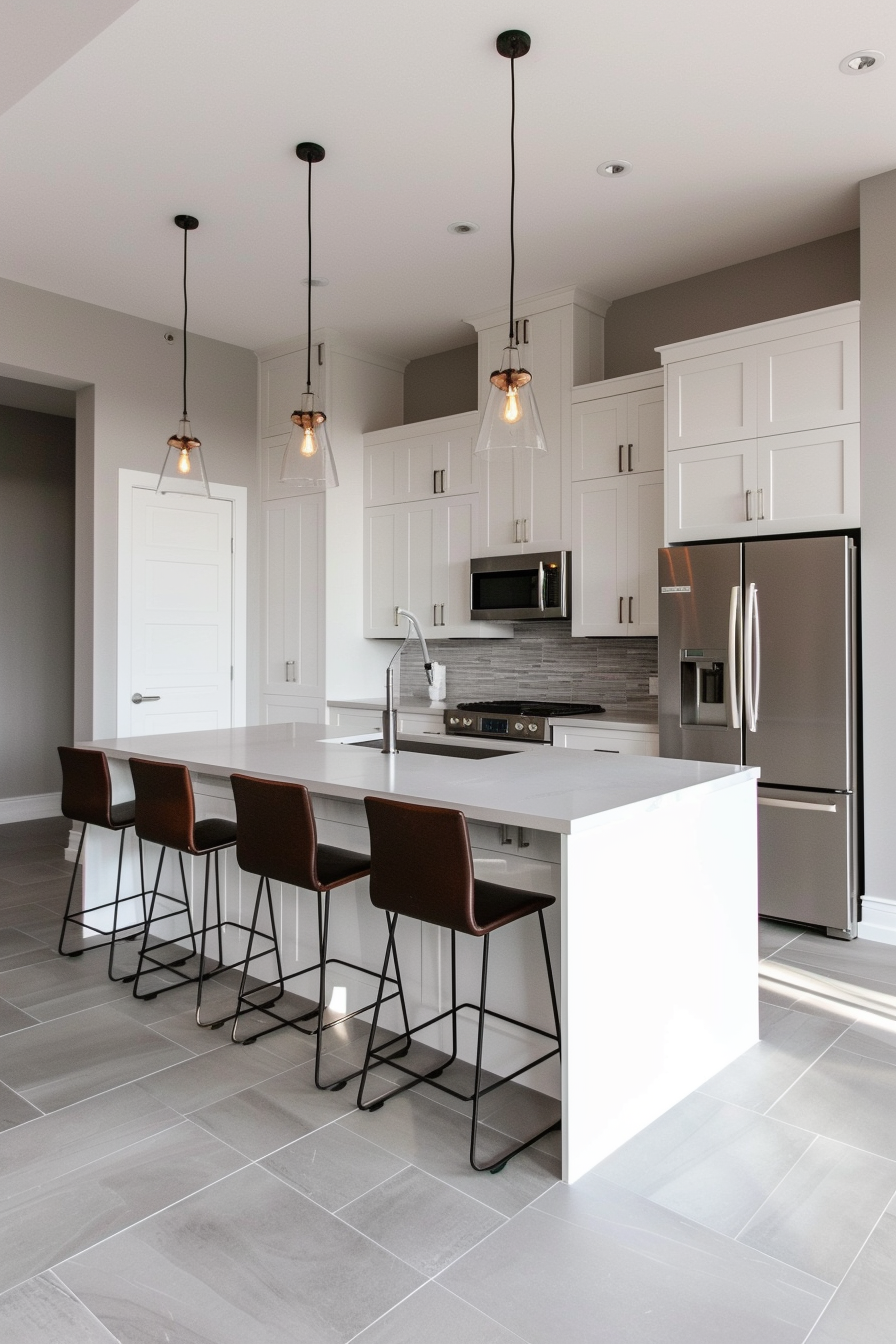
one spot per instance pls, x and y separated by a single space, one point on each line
645 413
293 550
809 480
600 437
645 537
600 557
712 398
711 492
181 615
809 381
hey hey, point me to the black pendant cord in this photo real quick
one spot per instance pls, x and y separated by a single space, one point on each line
308 367
512 187
186 235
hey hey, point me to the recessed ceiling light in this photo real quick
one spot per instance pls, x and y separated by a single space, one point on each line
464 226
317 283
614 168
860 62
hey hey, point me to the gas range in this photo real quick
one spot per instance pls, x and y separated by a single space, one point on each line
524 720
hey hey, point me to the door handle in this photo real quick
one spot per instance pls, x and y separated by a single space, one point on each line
441 613
138 699
802 807
435 482
734 684
516 529
749 506
442 481
751 658
525 331
757 655
630 619
620 457
525 529
291 663
761 504
395 609
435 613
621 600
630 467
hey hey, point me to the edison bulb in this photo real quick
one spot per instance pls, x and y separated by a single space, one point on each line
309 443
183 462
512 410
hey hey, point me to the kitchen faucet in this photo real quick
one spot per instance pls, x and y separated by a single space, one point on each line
390 716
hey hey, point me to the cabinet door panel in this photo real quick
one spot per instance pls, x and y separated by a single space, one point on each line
385 472
809 480
809 381
712 399
645 537
421 465
294 595
383 531
459 521
600 559
706 492
600 438
419 563
606 742
499 533
646 422
543 356
453 454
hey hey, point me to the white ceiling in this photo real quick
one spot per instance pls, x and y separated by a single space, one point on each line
745 138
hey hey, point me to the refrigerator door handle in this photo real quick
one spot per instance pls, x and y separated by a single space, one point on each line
734 681
757 655
749 631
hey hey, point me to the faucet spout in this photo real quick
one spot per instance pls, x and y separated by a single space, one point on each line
390 716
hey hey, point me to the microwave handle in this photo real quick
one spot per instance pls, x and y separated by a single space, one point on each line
541 585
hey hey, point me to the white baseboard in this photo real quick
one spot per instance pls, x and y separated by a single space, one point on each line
878 922
30 808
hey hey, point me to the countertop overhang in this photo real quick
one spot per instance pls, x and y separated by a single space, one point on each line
561 791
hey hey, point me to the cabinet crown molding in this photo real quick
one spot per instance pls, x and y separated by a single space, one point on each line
738 337
612 387
541 303
334 342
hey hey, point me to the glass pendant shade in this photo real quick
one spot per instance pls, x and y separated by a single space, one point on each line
511 417
183 471
308 458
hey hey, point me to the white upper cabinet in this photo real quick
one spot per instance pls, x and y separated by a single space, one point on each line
762 428
599 438
421 461
617 427
293 615
646 425
617 530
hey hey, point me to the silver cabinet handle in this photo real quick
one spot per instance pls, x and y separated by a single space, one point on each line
802 807
506 837
525 529
757 656
620 457
621 600
291 663
138 699
395 609
761 504
630 467
441 613
435 613
749 506
516 529
525 331
734 684
442 481
523 843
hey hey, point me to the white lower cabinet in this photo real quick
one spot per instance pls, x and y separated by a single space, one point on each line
617 527
609 742
284 709
357 721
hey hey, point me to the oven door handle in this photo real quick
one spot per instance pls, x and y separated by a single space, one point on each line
541 585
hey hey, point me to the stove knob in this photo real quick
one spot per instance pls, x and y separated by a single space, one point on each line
453 720
533 727
520 727
468 723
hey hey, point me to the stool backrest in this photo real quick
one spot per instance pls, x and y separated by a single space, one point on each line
164 810
275 832
86 785
421 864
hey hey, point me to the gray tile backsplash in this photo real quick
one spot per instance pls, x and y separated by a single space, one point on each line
543 661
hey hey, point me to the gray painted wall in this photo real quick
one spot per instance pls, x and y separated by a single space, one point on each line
443 384
878 222
796 280
37 571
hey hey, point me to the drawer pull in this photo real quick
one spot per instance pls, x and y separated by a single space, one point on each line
607 751
802 807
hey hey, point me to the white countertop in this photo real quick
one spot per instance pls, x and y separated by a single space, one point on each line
616 718
561 791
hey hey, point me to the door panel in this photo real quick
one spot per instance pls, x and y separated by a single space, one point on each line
499 535
805 695
453 453
712 492
809 480
599 579
696 619
599 438
712 399
806 863
645 536
809 381
646 415
293 618
381 579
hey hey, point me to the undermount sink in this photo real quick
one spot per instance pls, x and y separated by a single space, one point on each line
438 747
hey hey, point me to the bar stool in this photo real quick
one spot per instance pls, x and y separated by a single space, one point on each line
421 866
166 816
87 797
276 837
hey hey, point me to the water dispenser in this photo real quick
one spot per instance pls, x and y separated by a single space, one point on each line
704 687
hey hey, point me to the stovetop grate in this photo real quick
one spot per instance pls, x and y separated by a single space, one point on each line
544 709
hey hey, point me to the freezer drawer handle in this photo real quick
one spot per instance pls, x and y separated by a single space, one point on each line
735 687
802 807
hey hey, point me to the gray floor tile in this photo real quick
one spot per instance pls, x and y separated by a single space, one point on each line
432 1315
23 874
773 937
14 943
593 1262
44 1311
333 1166
871 1036
861 958
847 1097
766 1070
863 1310
53 1145
437 1140
51 1222
425 1222
819 1216
61 986
180 1000
205 1079
247 1260
183 1030
14 1110
708 1160
275 1112
57 1063
17 916
13 1019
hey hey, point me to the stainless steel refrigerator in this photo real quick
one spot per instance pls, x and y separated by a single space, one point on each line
757 666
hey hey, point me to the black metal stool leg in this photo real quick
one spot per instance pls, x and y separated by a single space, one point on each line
146 929
115 913
391 921
547 963
202 941
477 1082
68 904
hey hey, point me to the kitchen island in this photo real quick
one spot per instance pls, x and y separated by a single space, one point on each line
653 862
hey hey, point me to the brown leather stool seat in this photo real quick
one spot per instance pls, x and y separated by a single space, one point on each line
277 839
166 816
87 797
421 866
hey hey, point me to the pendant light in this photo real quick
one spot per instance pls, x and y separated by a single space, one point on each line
183 471
511 417
308 459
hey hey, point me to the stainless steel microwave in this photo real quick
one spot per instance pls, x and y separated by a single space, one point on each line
521 587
